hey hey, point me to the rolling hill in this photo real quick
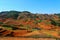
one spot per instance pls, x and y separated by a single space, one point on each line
15 23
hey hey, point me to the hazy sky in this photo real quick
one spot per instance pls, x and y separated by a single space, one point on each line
39 6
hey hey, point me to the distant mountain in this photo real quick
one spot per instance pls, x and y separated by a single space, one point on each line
17 15
9 14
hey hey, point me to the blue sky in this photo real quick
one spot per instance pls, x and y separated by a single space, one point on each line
35 6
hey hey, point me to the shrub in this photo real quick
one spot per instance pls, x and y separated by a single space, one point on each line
53 22
37 21
1 23
7 26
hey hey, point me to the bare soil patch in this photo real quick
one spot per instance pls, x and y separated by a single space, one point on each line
17 38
